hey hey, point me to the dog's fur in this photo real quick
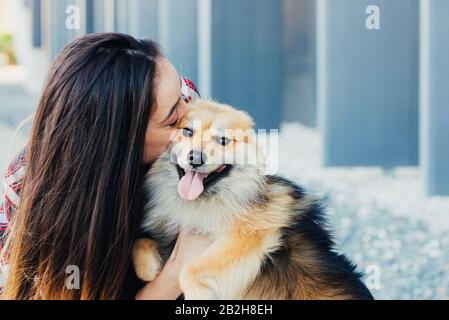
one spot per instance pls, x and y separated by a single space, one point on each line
270 237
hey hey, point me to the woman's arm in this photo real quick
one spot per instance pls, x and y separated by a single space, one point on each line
166 284
164 287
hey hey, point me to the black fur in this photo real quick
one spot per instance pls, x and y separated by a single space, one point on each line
309 235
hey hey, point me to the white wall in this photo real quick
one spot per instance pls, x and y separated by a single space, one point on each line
35 60
5 16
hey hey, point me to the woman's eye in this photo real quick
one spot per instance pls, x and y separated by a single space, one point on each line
223 141
186 132
174 119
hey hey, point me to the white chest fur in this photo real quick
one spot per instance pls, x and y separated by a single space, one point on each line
213 212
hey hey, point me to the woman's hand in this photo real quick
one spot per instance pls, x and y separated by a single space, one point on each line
166 285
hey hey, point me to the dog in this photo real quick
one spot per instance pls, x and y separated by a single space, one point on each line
270 239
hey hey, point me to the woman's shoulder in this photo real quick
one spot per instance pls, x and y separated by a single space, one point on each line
13 179
12 189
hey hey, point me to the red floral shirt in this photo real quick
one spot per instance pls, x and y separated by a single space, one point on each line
13 182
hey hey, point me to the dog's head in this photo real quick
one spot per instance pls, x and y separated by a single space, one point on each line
213 144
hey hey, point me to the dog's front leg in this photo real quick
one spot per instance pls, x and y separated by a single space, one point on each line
146 259
227 268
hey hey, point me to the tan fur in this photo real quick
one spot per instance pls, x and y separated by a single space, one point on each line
146 259
210 112
294 285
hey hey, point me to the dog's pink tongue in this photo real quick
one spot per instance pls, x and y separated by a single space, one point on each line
191 185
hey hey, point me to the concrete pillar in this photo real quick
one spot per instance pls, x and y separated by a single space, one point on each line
178 34
434 92
299 99
368 54
246 57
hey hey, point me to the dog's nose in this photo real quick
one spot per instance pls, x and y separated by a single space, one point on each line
196 158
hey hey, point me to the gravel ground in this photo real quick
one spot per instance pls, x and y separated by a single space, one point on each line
382 220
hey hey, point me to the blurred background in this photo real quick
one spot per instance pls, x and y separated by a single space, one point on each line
357 89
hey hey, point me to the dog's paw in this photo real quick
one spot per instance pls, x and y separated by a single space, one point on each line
146 258
197 285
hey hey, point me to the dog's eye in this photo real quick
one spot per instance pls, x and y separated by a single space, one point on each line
223 141
186 132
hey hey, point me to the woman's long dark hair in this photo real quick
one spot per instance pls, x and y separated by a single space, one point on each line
81 204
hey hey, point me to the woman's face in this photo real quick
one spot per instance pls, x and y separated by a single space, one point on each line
169 108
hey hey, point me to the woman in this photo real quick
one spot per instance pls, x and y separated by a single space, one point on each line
109 108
